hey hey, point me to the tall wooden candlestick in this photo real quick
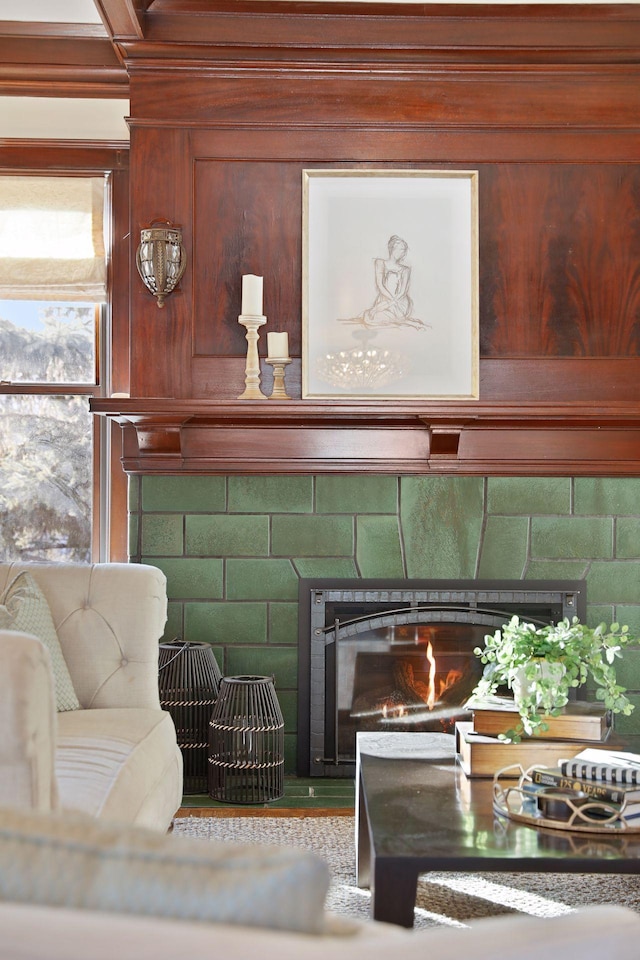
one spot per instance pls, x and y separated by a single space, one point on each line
252 389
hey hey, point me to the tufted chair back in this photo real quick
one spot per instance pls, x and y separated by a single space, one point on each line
109 618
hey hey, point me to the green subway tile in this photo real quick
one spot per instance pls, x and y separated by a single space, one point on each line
290 752
219 653
270 494
556 570
571 537
226 623
173 626
317 536
133 493
133 547
598 613
503 553
283 623
162 535
614 582
261 580
189 579
334 788
630 725
227 536
441 525
356 494
628 669
331 568
628 537
278 662
378 550
606 496
288 701
184 494
528 495
629 614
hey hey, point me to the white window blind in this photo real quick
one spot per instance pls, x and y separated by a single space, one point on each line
52 238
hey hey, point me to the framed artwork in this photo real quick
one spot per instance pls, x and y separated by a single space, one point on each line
390 284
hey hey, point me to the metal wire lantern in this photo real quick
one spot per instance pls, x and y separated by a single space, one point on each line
161 258
189 680
246 742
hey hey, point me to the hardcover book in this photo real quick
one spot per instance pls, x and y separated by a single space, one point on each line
611 766
483 756
579 720
598 789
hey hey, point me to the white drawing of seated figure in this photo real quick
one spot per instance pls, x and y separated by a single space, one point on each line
393 307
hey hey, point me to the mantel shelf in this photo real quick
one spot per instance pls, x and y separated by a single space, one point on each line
329 436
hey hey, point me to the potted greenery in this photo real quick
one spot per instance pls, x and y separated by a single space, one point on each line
542 664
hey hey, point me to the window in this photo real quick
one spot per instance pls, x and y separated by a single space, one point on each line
52 343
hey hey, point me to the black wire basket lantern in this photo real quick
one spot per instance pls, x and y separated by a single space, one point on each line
246 742
189 681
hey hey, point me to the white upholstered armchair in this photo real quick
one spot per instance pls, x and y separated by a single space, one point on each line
108 750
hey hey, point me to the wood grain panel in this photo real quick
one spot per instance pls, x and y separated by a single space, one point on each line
574 97
559 260
452 30
161 339
247 220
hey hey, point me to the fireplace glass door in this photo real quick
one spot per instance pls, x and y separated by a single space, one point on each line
401 659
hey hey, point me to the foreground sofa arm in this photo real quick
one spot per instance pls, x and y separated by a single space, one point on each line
27 724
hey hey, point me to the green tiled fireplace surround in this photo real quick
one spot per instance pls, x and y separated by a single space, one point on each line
233 549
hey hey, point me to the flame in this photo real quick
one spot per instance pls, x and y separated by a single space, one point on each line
390 710
431 698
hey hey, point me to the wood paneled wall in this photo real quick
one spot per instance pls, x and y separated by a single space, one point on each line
230 102
220 138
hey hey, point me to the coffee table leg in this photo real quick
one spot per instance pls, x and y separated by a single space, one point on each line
393 893
363 843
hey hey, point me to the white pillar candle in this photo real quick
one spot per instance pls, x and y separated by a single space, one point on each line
251 295
278 346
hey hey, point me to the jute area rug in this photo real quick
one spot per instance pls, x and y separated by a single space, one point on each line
444 899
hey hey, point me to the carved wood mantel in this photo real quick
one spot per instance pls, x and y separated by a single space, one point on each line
294 437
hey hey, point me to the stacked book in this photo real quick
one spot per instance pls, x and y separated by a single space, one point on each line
608 778
481 753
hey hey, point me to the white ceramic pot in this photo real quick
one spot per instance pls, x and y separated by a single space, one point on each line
521 685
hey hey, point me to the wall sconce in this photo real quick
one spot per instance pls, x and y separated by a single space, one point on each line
161 258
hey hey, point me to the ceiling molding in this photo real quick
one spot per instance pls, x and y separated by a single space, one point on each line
123 19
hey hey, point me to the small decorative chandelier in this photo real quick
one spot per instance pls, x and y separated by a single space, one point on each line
359 367
161 258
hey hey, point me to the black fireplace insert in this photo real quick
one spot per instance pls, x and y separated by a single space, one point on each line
398 655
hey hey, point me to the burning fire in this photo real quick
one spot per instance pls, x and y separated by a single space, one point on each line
435 686
393 710
431 695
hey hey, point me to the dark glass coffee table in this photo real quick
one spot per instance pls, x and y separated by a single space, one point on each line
417 812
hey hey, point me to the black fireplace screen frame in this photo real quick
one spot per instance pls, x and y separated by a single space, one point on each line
481 602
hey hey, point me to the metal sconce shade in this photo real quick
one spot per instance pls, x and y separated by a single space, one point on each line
161 258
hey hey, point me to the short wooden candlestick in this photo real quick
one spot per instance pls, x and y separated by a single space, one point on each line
252 389
279 392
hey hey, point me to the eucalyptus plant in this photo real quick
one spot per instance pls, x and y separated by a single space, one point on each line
542 664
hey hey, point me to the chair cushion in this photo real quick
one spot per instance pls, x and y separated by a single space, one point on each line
109 761
24 608
75 861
